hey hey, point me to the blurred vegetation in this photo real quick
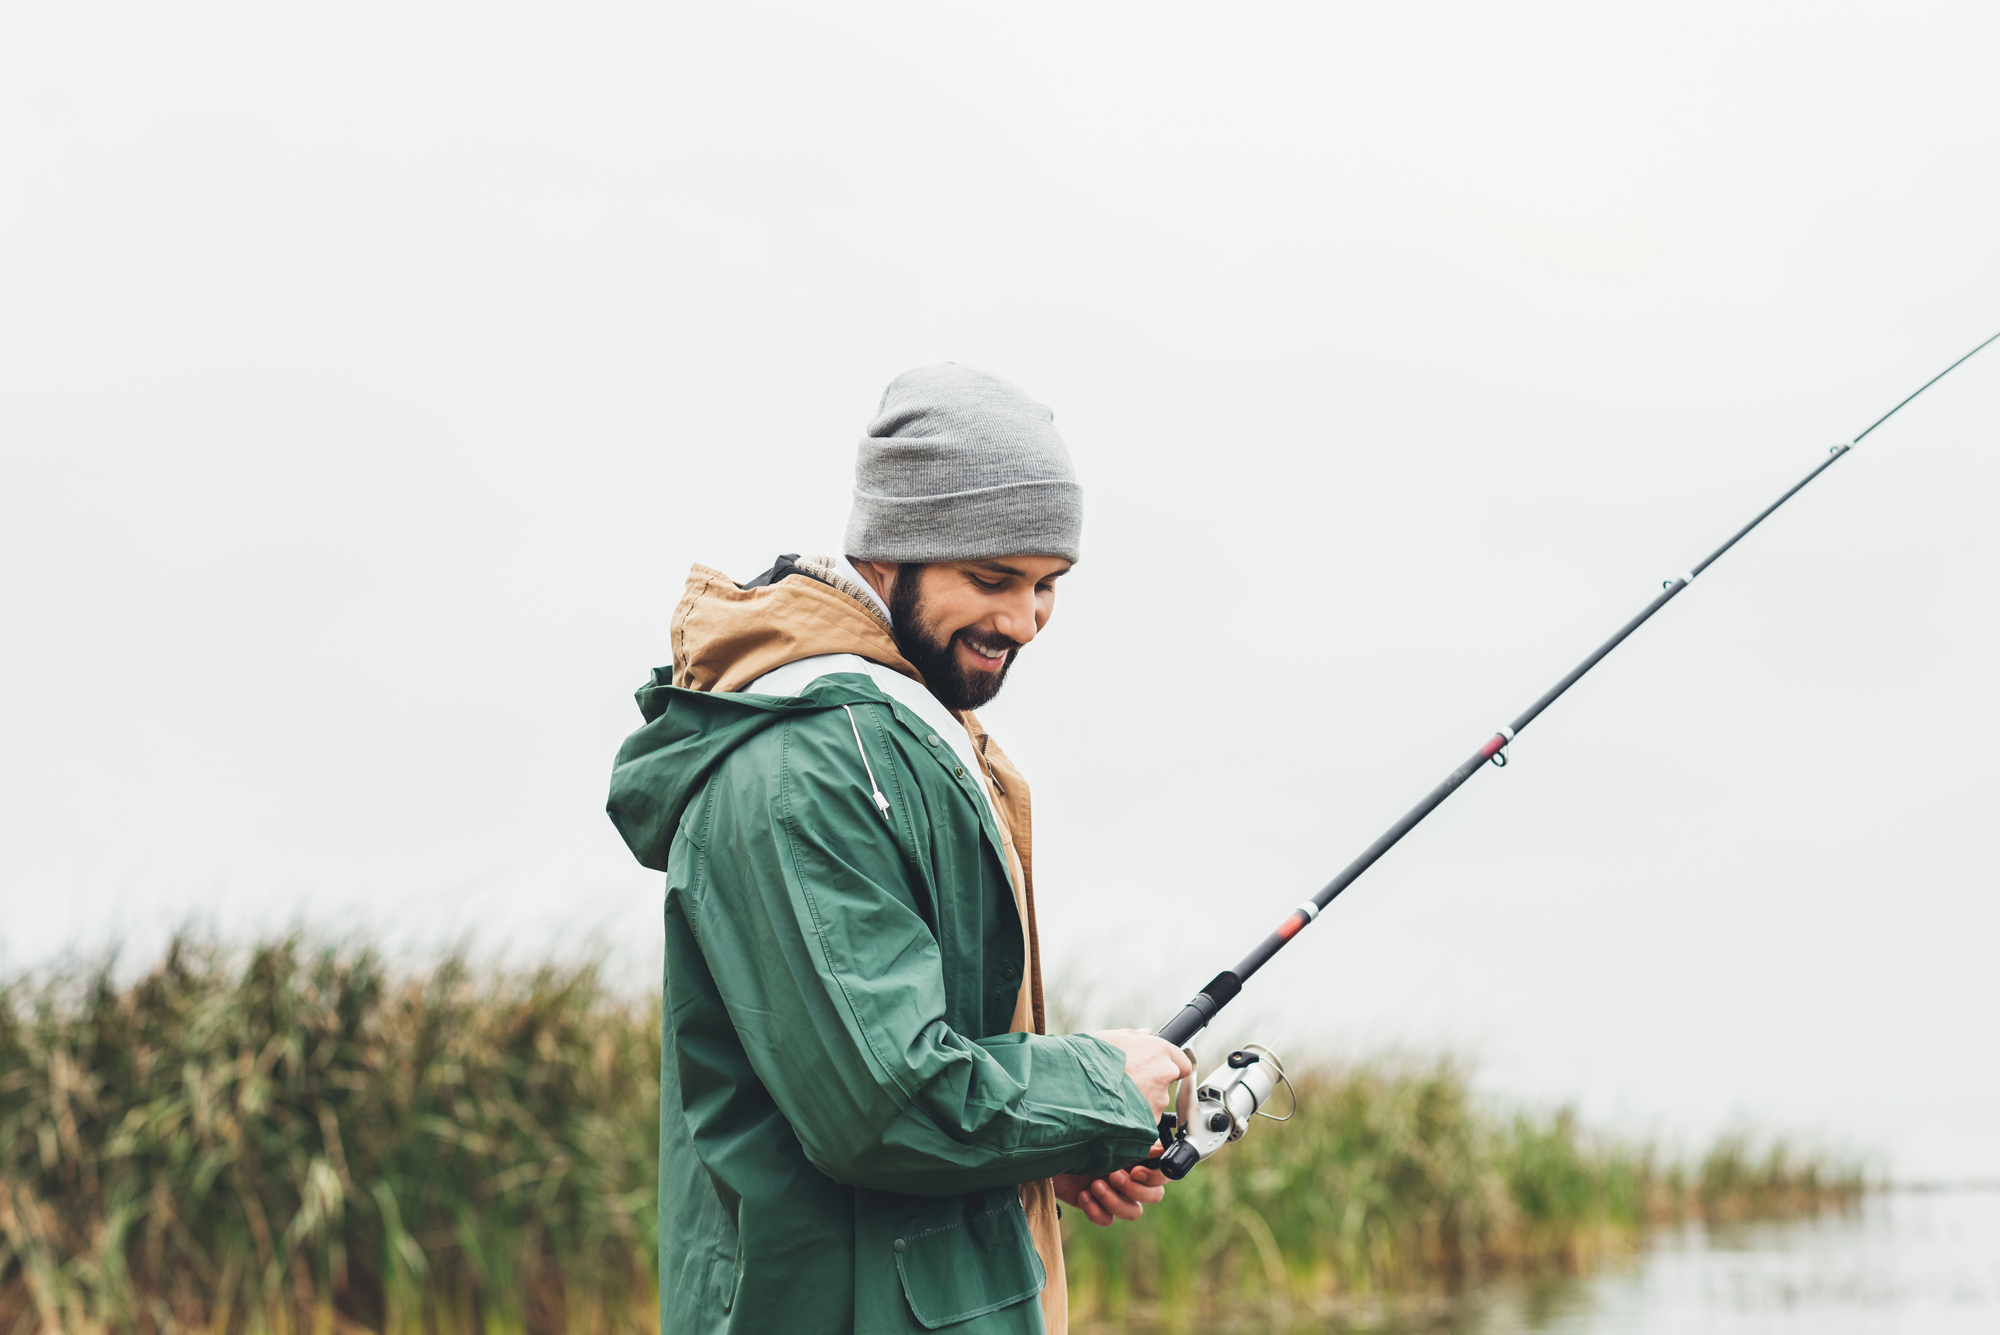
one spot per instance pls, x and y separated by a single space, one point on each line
294 1138
1394 1183
291 1139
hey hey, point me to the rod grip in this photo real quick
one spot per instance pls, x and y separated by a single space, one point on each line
1201 1008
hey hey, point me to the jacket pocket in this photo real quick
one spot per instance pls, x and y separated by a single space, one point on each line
970 1267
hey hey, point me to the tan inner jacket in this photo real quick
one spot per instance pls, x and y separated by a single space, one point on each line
725 638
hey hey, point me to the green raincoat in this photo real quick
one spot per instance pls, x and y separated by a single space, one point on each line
844 1115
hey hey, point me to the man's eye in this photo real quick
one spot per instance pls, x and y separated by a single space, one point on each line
988 585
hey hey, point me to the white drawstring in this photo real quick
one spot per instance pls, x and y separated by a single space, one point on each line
881 802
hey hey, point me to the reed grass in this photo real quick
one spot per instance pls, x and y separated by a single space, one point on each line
1392 1183
293 1138
290 1139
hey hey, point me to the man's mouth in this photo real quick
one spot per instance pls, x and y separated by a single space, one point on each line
987 657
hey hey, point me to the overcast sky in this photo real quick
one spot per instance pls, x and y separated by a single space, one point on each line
371 375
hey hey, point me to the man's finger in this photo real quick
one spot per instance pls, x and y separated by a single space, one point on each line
1145 1195
1092 1211
1125 1185
1149 1177
1108 1196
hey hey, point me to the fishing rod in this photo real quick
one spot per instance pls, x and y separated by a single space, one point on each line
1215 1111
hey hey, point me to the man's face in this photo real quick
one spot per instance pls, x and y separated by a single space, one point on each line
960 623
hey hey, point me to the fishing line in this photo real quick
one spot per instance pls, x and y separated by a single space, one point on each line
1397 886
1217 1109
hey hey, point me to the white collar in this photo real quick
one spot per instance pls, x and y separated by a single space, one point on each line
793 678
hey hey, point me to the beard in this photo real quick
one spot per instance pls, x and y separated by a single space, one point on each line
935 654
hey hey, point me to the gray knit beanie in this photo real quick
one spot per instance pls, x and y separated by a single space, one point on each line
958 465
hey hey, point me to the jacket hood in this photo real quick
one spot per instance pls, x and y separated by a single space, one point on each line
663 766
724 638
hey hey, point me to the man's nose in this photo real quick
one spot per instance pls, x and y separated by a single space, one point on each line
1016 617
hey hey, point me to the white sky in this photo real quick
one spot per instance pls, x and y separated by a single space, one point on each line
370 376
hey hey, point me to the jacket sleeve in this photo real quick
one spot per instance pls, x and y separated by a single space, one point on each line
807 915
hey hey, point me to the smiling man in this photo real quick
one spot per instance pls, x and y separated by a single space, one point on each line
864 1123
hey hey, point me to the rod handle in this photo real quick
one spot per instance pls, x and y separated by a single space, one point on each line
1201 1008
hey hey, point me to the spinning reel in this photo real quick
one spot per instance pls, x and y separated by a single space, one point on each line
1213 1112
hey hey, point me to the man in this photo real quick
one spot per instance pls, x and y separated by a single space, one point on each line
864 1124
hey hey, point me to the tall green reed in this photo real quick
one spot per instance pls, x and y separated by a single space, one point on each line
292 1139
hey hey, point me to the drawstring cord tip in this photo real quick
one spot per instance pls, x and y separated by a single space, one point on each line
874 789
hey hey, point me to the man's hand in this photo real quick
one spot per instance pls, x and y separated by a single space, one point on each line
1125 1194
1153 1063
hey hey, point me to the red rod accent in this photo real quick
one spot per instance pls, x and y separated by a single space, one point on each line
1493 747
1289 928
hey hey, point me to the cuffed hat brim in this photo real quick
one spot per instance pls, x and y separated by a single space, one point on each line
1019 519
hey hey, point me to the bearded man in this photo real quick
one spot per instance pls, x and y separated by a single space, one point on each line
865 1125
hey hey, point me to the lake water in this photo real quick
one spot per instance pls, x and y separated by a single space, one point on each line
1899 1263
1910 1262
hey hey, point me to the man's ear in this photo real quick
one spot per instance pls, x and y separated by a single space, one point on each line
881 575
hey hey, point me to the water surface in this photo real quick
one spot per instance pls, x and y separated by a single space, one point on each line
1901 1261
1897 1263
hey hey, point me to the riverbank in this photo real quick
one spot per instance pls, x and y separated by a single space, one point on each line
1896 1260
1394 1190
295 1137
